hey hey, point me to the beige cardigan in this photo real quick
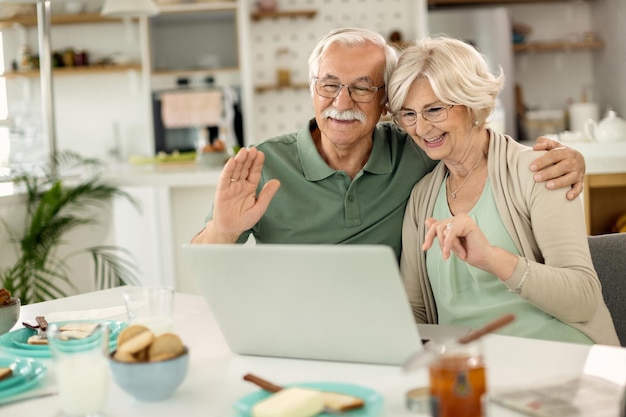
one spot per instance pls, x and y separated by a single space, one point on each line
546 228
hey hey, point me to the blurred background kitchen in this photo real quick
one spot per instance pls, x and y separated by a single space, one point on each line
158 96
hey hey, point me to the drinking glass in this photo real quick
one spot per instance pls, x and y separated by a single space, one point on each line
151 306
82 371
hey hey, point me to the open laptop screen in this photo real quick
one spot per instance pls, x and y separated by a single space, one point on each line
327 302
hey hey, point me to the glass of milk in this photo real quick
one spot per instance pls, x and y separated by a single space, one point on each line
151 306
82 371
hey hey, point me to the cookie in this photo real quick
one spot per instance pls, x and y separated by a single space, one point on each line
142 355
5 373
84 327
5 296
130 332
164 347
36 340
73 335
124 357
136 343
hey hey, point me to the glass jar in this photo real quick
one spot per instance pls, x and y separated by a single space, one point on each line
68 57
457 380
25 58
283 71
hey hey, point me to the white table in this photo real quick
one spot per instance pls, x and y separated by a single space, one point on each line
214 381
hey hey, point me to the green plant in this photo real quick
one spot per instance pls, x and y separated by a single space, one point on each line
58 199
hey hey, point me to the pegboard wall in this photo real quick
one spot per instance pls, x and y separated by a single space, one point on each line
288 110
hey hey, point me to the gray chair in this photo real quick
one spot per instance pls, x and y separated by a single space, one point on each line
608 253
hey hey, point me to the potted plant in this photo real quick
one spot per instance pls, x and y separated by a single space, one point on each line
57 200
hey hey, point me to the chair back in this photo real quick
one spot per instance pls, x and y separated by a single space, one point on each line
608 253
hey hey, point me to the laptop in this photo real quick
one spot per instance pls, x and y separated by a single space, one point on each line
325 302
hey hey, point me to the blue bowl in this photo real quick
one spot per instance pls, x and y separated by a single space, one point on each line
150 381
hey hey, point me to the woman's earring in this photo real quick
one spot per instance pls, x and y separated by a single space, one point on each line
475 122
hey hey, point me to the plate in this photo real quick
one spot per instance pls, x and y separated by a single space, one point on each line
26 374
373 400
16 342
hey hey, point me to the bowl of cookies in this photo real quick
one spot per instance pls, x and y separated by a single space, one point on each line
9 310
148 367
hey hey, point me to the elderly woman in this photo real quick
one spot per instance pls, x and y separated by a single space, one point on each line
480 237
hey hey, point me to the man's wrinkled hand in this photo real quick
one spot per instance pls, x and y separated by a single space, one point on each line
561 167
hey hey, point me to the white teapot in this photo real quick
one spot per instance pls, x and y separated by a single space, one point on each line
610 129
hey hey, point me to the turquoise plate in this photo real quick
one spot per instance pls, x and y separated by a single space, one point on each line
16 342
26 374
373 400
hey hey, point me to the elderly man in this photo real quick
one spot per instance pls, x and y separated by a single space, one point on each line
345 178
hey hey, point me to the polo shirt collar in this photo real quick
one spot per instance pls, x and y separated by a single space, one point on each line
316 169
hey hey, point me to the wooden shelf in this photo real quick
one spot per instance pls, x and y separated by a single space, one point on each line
309 14
92 69
197 7
63 19
266 88
552 46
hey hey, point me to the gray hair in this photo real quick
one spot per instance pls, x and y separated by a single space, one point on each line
457 72
351 36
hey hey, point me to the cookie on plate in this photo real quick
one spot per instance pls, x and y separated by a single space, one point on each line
5 373
85 327
36 340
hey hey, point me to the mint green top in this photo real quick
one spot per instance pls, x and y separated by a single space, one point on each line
466 295
318 204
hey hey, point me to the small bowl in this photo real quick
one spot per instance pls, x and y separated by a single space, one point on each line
150 381
212 159
9 314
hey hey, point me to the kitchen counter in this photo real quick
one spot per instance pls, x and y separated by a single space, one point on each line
168 175
600 158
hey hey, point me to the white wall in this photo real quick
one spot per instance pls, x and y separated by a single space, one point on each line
550 79
283 111
610 64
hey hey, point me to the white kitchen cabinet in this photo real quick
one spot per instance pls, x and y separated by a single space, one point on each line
175 202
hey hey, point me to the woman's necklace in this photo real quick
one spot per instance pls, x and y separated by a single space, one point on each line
453 193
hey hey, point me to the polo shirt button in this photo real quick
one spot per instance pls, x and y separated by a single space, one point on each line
338 176
351 198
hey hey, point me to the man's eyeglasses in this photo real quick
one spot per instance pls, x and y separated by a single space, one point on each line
361 92
406 118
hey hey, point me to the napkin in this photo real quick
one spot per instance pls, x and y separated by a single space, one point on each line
108 313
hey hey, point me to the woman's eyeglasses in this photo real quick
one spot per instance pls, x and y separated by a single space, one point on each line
435 114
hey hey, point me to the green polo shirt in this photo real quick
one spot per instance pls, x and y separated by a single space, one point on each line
317 204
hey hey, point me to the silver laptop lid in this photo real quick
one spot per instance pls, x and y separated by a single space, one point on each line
327 302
